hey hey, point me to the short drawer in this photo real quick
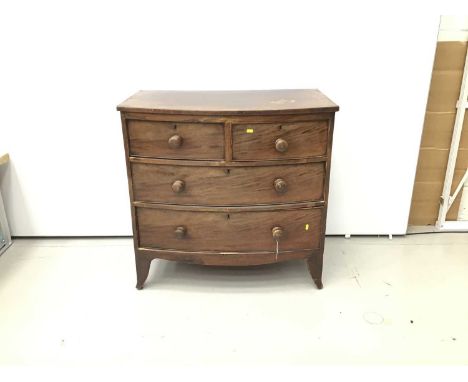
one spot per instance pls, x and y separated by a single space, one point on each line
280 140
176 140
228 185
230 231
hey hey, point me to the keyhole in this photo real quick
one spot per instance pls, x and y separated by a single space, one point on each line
174 126
228 216
280 127
228 171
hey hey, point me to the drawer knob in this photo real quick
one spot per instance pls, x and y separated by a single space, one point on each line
175 141
281 145
180 232
277 233
280 186
178 186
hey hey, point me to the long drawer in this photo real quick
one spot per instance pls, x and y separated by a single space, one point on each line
228 185
230 231
267 141
176 140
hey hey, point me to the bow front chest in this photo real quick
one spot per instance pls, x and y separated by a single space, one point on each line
232 178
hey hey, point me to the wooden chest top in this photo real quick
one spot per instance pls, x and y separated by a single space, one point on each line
233 102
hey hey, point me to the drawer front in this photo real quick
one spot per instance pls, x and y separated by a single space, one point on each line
228 185
176 140
229 232
280 141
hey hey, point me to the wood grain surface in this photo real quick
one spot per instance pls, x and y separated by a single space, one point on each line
224 163
229 102
227 209
223 118
246 185
199 140
256 141
232 259
242 231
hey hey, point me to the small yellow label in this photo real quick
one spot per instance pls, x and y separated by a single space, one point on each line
249 131
306 227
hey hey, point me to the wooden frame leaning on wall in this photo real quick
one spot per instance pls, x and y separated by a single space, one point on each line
5 236
446 200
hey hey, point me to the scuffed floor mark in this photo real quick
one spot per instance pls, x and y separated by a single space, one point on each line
356 276
448 339
373 318
385 282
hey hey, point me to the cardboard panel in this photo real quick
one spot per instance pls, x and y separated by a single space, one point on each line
450 55
433 164
444 90
438 129
425 203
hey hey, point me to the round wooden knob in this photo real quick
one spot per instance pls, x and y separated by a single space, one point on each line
277 233
280 186
175 141
281 145
180 232
178 186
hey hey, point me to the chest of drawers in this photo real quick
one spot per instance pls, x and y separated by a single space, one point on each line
232 178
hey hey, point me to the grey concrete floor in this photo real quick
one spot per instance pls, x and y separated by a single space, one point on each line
73 302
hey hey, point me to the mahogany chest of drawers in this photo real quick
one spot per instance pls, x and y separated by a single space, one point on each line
232 178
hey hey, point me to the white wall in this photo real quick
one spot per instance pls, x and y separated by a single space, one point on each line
66 65
453 28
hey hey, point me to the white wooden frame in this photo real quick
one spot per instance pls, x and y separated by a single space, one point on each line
446 200
4 228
